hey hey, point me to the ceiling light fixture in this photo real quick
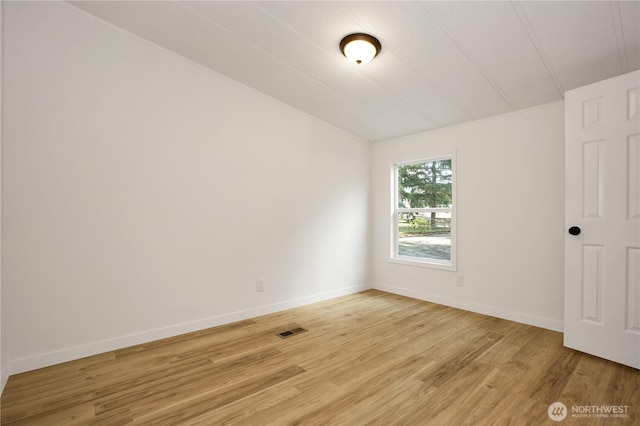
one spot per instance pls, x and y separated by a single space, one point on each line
360 48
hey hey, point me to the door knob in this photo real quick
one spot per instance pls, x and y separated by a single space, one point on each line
574 230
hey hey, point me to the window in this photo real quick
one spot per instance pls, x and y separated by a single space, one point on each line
423 213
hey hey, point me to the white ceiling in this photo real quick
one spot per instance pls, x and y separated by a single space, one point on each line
441 62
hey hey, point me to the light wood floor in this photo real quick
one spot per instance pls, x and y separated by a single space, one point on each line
369 358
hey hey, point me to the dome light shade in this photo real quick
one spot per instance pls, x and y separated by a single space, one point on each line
360 48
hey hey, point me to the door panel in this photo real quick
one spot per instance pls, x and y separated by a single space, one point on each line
633 290
592 283
593 179
634 176
602 198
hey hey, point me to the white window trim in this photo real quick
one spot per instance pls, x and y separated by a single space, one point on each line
415 261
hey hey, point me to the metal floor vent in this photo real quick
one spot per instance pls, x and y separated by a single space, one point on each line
291 332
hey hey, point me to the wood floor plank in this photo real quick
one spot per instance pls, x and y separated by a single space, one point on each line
81 414
175 388
238 411
290 412
445 404
371 358
189 406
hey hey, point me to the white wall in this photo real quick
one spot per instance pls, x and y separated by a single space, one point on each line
4 370
144 195
510 216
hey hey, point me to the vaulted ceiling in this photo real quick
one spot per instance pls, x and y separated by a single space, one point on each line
441 63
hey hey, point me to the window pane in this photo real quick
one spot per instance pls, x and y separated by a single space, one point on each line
425 184
425 235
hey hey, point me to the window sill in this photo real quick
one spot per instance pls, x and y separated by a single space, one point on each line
431 263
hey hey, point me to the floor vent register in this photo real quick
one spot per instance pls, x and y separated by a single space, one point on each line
292 332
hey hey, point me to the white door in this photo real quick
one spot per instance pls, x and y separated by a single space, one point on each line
602 203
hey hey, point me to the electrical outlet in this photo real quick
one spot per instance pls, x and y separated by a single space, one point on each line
259 285
460 281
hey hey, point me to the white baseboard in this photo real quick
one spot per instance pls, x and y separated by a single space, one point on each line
520 317
4 376
94 348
